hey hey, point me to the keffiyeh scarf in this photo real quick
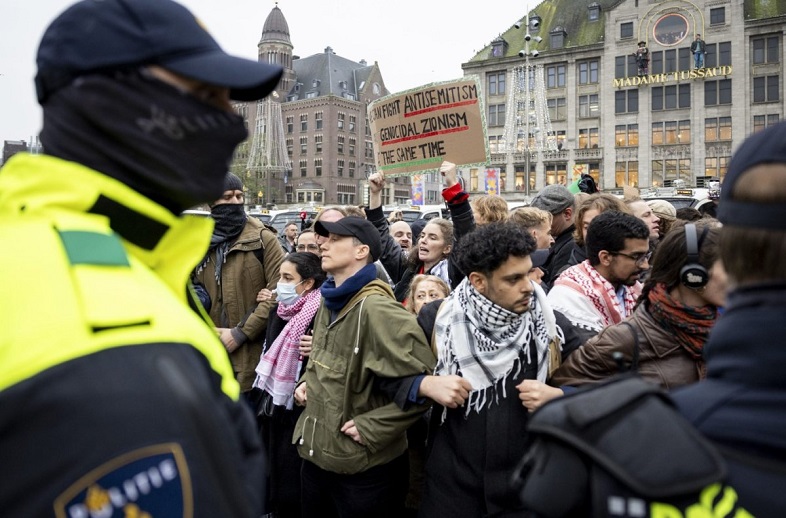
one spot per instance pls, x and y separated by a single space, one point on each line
277 371
483 342
586 280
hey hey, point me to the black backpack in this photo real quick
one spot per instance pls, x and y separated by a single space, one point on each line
620 449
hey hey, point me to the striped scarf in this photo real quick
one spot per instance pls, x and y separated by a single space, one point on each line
690 325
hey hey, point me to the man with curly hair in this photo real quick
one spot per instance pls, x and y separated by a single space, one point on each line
497 332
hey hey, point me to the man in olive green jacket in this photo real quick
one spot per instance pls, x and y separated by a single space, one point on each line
243 258
351 433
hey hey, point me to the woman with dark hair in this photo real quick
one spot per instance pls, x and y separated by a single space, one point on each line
664 337
287 347
431 253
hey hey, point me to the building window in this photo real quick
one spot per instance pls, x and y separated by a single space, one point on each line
588 138
290 146
717 16
764 121
496 115
588 72
664 172
670 97
626 101
318 166
556 173
589 105
684 58
496 144
718 55
303 167
341 118
340 167
717 92
626 30
318 143
670 29
594 12
496 82
369 150
560 134
352 123
352 142
626 135
671 132
765 89
766 50
555 76
557 38
717 128
626 174
290 124
557 108
351 169
303 145
318 120
340 146
715 167
304 122
656 62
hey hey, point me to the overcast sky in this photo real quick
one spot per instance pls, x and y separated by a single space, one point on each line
415 41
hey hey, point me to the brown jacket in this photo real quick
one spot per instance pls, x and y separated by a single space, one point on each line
661 359
233 303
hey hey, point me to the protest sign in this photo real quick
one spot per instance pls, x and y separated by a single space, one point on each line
416 130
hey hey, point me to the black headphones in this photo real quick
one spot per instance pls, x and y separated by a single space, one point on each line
694 275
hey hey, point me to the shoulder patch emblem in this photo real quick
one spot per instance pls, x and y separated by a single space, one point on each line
150 482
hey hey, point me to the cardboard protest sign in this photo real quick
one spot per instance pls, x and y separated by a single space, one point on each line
416 130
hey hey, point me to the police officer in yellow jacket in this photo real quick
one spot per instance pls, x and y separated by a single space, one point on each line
116 398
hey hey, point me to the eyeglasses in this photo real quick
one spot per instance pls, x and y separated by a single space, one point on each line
303 248
639 258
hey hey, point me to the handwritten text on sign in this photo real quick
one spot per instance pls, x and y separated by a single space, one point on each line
416 130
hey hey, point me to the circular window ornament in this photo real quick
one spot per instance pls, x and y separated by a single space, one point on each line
670 29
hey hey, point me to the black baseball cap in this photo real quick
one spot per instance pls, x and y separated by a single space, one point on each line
765 147
104 35
360 228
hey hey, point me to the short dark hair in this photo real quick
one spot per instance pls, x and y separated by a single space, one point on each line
485 249
688 214
308 266
609 230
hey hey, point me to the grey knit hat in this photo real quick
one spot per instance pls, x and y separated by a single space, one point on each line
232 183
553 198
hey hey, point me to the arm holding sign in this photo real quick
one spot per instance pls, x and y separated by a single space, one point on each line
460 213
393 258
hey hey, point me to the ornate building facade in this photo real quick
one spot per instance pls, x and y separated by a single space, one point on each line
624 125
323 129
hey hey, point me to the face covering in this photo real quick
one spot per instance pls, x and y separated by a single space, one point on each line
286 294
163 143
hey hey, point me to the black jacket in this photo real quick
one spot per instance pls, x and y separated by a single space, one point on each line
741 406
559 256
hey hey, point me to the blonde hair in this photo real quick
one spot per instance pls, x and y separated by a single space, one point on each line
417 280
530 217
490 208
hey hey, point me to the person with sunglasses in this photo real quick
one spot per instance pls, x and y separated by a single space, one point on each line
602 290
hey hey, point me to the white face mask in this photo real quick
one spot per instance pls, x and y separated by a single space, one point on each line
286 294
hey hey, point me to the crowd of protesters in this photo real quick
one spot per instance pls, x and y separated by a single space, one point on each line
360 366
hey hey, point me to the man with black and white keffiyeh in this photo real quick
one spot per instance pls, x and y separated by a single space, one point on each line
498 334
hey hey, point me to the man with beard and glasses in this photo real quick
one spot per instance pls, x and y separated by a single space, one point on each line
116 397
244 257
494 333
603 289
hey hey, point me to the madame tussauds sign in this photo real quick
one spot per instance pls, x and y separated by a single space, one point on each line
701 73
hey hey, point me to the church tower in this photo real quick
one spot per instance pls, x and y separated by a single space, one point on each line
275 47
